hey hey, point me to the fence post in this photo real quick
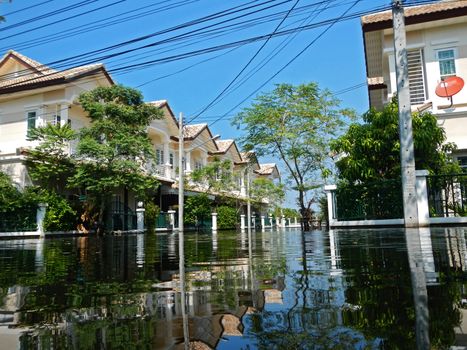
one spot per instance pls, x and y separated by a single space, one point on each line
422 197
171 219
242 221
140 219
214 222
284 224
262 222
253 221
329 189
40 216
270 221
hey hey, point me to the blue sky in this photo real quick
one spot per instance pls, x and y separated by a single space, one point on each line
335 61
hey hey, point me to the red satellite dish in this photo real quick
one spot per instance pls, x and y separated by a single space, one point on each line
449 87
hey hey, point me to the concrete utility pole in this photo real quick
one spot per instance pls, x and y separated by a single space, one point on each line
181 243
405 118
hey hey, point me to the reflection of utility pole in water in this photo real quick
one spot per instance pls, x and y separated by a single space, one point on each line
419 289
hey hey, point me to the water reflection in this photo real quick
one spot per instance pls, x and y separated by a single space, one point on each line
280 290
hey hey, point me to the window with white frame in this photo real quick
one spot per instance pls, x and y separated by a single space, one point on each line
447 65
159 157
31 121
171 159
198 165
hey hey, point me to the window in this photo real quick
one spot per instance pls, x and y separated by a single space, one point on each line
31 120
57 119
463 163
415 65
171 159
159 157
446 59
198 165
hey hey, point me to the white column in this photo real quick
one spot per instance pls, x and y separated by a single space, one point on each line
214 221
329 189
167 166
188 162
140 219
283 221
40 215
242 222
422 197
63 113
271 224
171 219
295 221
253 221
262 222
242 185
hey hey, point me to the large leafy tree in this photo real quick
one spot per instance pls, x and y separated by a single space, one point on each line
50 164
115 150
294 124
371 150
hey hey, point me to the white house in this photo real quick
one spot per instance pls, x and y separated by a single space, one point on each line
436 49
32 94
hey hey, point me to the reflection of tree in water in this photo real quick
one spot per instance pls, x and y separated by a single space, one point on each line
313 320
382 288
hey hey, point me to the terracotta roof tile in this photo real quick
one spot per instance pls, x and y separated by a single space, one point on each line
266 169
415 11
41 68
43 78
192 131
224 145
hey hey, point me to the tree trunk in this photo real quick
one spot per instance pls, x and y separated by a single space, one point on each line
303 212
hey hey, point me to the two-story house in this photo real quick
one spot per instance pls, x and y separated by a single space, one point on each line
32 94
436 49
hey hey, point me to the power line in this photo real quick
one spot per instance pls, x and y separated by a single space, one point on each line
248 63
26 8
292 60
272 55
48 14
185 55
61 20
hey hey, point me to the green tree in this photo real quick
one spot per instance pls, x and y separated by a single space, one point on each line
371 150
196 209
294 124
49 164
114 152
216 177
265 190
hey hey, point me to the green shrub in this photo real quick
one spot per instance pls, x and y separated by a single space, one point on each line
150 215
226 217
196 209
60 216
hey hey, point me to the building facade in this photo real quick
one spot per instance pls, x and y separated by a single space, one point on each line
32 95
436 49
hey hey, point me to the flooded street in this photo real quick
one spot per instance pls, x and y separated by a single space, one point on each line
339 289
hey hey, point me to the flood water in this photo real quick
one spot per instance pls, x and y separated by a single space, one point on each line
340 289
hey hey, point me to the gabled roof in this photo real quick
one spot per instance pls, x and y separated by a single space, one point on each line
224 145
190 132
35 75
416 14
27 62
162 104
249 157
267 169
